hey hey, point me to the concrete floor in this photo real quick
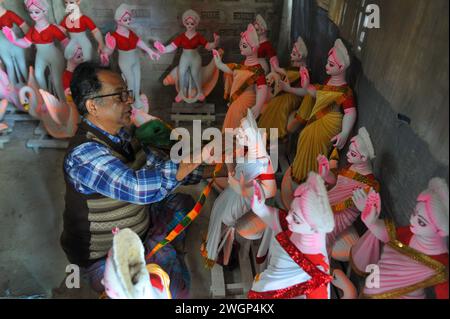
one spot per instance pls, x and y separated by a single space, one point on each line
32 263
31 206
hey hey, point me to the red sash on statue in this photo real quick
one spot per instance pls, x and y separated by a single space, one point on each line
318 278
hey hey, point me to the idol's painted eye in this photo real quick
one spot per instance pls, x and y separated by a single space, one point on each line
296 219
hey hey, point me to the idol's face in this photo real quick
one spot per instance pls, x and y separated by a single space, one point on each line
420 223
244 46
190 25
78 57
259 30
333 67
296 56
36 13
126 20
354 155
297 222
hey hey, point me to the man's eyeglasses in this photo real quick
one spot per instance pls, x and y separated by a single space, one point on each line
124 95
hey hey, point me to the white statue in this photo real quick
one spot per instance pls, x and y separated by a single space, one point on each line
43 35
126 274
190 73
234 202
298 265
13 57
77 24
127 42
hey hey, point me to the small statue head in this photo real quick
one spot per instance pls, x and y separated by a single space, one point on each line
310 211
249 41
38 9
430 216
260 25
338 59
299 51
74 52
126 275
361 148
124 15
191 20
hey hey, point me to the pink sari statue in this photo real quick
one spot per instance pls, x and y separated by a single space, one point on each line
43 35
298 265
413 258
192 81
12 56
358 175
327 113
245 84
126 274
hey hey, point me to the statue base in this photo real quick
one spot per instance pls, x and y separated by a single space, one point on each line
4 140
185 112
13 115
246 272
44 141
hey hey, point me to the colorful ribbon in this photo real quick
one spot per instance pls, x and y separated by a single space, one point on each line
189 218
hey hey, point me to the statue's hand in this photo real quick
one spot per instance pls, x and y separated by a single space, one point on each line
153 55
258 199
217 57
359 199
216 39
284 86
323 165
339 140
9 34
104 58
304 77
372 210
160 47
110 41
272 78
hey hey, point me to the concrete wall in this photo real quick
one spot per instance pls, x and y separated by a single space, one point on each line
401 69
161 20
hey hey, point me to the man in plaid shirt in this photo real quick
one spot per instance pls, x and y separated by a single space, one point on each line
111 182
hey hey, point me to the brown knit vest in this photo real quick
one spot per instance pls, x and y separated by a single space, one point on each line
89 219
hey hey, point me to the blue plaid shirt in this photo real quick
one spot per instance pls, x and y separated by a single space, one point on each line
92 169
